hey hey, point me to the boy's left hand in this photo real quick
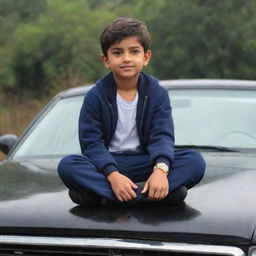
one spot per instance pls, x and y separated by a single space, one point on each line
157 185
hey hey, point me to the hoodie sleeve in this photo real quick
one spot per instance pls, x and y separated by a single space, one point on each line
161 134
91 135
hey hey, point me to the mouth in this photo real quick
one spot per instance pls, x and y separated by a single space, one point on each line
126 67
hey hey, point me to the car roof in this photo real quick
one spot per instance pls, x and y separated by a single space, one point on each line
180 84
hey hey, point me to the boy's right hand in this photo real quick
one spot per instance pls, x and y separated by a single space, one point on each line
122 186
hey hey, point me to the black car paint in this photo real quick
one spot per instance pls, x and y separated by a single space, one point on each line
220 210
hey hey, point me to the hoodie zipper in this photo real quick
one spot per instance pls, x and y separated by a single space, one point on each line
143 113
113 117
112 110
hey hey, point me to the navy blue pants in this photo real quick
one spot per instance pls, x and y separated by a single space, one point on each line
78 173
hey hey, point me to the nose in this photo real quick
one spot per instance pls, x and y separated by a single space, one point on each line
127 57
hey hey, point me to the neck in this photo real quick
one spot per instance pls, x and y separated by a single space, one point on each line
126 84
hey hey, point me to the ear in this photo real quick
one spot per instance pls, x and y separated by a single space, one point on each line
147 57
104 60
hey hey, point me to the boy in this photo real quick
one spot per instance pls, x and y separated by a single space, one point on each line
126 131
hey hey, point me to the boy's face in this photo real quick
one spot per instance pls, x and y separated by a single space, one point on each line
126 58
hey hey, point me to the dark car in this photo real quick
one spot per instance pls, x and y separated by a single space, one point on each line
218 217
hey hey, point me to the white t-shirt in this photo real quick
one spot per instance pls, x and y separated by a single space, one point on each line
126 136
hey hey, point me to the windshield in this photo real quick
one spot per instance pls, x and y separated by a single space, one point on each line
56 133
221 118
224 118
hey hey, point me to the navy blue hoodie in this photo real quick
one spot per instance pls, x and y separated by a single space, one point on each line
98 121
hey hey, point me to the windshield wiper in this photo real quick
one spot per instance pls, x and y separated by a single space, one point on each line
210 147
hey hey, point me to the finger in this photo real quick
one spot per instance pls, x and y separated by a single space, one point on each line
132 193
157 195
162 195
127 197
123 198
129 192
151 193
133 185
145 188
120 199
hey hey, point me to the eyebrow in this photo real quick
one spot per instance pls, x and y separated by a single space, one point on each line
119 49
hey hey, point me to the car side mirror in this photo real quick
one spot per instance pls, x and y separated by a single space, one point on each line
6 142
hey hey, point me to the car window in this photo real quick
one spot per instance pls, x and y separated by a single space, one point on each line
225 118
56 133
215 117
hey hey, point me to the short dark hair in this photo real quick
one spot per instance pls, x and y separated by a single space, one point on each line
122 28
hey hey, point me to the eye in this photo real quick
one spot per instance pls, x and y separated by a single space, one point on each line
116 53
135 51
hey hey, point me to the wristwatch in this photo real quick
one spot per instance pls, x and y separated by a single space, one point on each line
162 166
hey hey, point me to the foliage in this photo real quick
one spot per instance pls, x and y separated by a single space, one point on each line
202 39
58 43
51 45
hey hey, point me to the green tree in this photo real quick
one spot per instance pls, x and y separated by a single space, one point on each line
201 38
63 41
12 14
54 43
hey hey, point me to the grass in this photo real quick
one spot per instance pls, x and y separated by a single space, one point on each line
2 156
17 113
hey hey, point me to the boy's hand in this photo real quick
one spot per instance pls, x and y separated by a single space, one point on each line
122 186
157 185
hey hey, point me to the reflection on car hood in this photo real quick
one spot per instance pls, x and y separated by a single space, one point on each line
222 209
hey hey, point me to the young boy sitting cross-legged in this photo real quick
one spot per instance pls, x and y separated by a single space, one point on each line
126 131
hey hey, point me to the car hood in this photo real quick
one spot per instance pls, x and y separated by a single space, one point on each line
220 210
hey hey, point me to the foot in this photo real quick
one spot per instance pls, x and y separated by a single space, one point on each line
176 197
85 198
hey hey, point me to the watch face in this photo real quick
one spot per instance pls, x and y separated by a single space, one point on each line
163 167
